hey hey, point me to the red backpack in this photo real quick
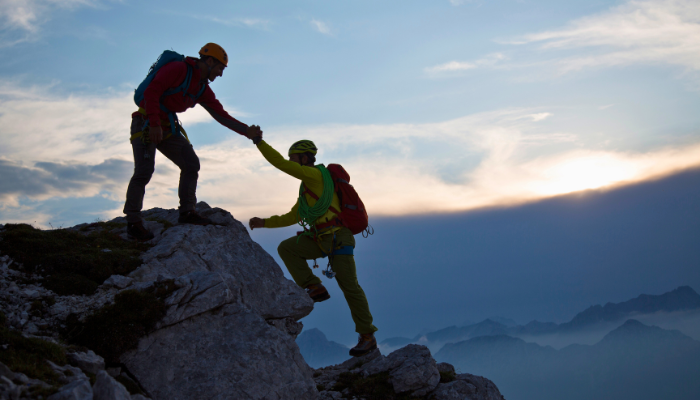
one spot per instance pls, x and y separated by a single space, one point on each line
352 214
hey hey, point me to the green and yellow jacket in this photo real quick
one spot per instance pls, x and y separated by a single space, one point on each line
310 176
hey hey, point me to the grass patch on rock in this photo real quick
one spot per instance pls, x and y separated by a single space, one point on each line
166 224
447 376
29 355
373 387
71 262
117 328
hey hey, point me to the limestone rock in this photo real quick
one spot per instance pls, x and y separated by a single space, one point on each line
230 326
485 389
77 390
287 325
107 388
8 389
232 353
5 371
330 395
88 362
68 373
445 367
248 273
118 281
412 370
468 387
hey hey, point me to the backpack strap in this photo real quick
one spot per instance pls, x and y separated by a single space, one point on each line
184 88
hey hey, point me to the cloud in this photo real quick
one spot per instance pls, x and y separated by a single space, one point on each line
452 66
321 26
244 22
455 66
460 2
47 179
397 172
22 19
656 32
77 147
39 125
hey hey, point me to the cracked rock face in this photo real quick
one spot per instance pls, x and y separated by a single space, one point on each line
230 326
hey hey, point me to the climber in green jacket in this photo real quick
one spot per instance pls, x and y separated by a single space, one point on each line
314 244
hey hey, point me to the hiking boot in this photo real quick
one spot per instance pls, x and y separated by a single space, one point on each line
191 217
317 292
365 344
139 232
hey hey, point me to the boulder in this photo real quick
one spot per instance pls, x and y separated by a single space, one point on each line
107 388
68 373
118 281
411 370
468 387
88 362
77 390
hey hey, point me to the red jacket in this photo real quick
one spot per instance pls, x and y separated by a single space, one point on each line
172 75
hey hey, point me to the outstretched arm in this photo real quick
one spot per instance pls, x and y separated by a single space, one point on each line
276 221
209 102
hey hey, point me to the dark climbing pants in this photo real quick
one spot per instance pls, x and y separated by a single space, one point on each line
178 150
295 255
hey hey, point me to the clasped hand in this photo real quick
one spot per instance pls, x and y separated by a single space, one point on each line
254 132
256 222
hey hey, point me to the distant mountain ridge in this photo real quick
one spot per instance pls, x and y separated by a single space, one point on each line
629 362
679 299
318 351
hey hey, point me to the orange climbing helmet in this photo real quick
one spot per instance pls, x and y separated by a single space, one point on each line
216 51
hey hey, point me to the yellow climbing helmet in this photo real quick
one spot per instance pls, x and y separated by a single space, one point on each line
303 146
216 51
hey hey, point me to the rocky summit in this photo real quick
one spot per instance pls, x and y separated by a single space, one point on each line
200 312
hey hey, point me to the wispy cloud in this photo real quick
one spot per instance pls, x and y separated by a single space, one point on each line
656 31
21 20
457 66
321 26
458 3
239 21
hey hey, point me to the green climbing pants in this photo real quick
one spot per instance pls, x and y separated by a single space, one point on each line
295 255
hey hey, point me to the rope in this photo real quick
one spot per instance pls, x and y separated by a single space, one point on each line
307 215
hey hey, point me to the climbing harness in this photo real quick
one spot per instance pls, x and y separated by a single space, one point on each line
333 251
146 138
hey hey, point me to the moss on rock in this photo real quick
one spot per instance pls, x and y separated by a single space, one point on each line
447 376
373 387
117 328
29 355
71 262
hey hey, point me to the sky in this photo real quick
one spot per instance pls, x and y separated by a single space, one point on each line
434 107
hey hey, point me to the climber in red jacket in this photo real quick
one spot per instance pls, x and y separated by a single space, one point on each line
154 126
